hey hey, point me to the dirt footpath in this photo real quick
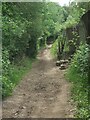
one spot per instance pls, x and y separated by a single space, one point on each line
43 92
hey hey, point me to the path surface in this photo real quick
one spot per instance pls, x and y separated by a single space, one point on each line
43 92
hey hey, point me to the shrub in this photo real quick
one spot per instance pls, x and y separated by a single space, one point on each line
12 73
80 60
78 75
7 85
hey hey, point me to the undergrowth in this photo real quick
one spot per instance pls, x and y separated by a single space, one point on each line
78 75
54 49
14 74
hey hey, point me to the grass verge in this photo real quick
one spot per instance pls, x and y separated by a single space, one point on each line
16 73
79 93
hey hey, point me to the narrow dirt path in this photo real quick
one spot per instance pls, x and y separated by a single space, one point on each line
43 92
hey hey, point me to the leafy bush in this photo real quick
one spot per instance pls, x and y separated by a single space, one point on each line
11 73
80 60
78 75
6 82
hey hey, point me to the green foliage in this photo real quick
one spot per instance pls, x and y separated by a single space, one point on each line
74 16
78 75
67 17
54 16
22 26
5 61
6 83
54 49
80 60
21 29
12 74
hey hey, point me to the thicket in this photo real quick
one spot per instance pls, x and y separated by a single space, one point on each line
78 75
22 27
